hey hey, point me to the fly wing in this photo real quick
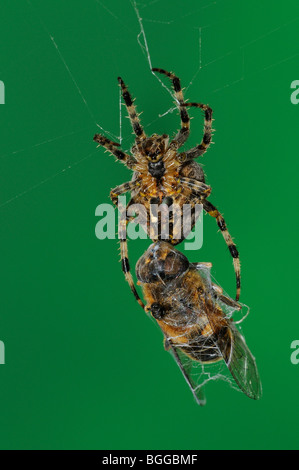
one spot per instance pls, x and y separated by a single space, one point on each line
242 365
236 354
189 369
230 342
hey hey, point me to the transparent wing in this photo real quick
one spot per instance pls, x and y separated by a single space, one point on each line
242 365
235 352
189 369
233 348
222 354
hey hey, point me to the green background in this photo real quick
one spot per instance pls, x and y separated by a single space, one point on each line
85 368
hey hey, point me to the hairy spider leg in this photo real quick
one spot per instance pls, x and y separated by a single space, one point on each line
213 212
184 132
207 137
114 149
224 298
129 102
123 236
121 189
195 186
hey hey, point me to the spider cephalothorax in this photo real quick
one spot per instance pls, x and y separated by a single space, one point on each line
162 173
150 154
154 147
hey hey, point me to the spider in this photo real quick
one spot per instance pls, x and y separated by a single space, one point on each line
161 173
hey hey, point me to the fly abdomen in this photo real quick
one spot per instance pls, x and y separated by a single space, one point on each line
206 345
202 349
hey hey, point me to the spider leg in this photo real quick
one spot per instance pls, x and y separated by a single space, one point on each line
125 262
183 133
207 137
129 102
113 148
126 270
121 189
229 302
135 217
123 238
212 211
195 186
201 265
225 299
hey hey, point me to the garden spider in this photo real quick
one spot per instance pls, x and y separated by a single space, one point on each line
161 173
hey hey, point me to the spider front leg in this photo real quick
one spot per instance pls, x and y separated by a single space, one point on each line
113 148
207 137
137 128
184 132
